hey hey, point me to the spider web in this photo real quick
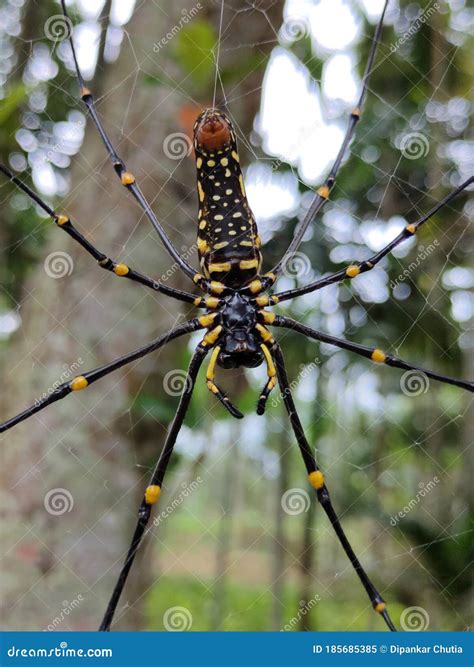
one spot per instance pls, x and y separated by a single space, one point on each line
356 400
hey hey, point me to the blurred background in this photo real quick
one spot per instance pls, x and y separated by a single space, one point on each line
238 542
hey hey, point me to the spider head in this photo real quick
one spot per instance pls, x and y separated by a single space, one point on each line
213 132
240 346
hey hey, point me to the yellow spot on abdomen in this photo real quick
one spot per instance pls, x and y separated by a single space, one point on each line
62 219
202 245
217 267
200 192
323 191
380 607
248 264
411 229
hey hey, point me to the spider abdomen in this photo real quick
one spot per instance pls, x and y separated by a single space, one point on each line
228 241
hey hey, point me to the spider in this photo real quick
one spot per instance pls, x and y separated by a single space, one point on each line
236 300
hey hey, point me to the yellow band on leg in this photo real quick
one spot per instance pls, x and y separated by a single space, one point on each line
271 371
316 479
152 494
211 369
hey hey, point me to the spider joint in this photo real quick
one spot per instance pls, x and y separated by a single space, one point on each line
207 320
353 270
378 356
152 494
127 178
79 382
267 317
121 269
316 479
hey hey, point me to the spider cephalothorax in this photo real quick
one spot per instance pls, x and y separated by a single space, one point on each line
235 323
240 345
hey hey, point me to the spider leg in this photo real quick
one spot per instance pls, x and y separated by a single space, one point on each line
153 490
317 481
323 192
217 391
271 372
83 381
126 178
354 270
120 269
374 354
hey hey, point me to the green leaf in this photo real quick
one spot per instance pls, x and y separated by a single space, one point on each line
12 101
193 49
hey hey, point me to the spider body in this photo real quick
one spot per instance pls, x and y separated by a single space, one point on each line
235 322
228 241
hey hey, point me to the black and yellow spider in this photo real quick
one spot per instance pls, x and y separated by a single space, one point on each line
236 300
